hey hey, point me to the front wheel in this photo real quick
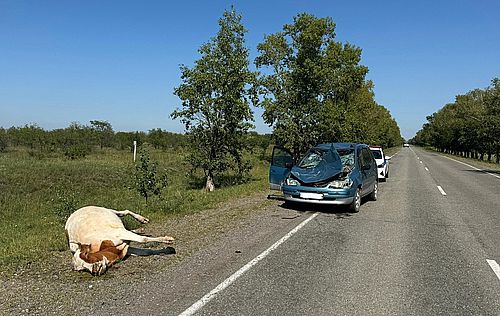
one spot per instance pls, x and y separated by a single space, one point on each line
356 203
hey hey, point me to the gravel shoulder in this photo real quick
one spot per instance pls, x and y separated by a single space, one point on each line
210 245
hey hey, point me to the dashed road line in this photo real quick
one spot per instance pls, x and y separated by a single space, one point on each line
441 190
208 297
495 267
427 169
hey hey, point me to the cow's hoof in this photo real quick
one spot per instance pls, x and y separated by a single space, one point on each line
168 240
99 267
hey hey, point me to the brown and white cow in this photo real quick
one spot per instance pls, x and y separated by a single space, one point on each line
98 239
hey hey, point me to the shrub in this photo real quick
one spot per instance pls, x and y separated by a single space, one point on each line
148 181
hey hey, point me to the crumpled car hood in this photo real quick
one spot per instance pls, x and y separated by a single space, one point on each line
328 168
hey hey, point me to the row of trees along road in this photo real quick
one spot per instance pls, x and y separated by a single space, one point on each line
311 87
469 127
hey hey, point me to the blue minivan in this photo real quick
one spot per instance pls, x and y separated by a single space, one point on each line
333 173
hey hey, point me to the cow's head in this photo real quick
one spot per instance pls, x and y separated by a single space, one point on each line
81 261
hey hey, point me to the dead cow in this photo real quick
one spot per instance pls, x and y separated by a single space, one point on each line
98 239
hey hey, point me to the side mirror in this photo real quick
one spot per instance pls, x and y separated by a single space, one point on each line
388 157
288 165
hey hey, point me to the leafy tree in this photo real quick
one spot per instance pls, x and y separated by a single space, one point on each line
308 82
216 95
470 126
103 132
75 140
125 140
30 135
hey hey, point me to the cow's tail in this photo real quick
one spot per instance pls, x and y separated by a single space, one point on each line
148 252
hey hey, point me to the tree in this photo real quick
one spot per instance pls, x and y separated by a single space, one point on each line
74 140
216 95
308 82
103 133
492 104
470 126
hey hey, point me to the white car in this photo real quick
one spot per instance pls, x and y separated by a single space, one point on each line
382 163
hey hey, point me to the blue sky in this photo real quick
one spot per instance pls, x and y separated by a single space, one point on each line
66 61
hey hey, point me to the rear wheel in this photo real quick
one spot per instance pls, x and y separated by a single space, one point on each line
356 202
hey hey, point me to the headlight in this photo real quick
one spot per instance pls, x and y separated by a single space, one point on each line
340 184
291 181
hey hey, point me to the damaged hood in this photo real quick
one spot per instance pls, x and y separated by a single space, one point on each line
319 164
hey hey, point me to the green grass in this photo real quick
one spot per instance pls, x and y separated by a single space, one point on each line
37 194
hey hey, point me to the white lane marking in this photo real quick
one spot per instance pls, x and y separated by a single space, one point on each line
208 297
426 168
441 190
463 163
420 161
494 265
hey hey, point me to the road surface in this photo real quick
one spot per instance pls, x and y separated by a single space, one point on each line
430 245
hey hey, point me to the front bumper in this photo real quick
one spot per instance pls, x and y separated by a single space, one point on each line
324 196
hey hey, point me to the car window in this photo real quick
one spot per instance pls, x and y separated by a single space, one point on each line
366 157
346 156
312 158
377 154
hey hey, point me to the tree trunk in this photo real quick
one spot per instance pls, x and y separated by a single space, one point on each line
209 186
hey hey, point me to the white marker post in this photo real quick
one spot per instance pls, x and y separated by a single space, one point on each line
135 149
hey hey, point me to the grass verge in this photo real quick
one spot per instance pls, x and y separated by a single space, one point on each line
38 194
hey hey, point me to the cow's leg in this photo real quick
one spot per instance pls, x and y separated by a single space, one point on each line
138 217
130 236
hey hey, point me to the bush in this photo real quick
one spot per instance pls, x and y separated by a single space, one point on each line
148 181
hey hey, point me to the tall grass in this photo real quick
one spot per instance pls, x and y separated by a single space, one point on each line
37 195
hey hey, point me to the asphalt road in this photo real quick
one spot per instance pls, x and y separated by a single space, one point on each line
418 250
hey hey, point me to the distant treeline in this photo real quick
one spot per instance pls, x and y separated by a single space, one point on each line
469 127
77 139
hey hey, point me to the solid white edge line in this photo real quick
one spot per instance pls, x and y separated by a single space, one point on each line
441 190
463 163
495 267
208 297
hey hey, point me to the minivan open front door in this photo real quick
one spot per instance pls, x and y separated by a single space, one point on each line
281 163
